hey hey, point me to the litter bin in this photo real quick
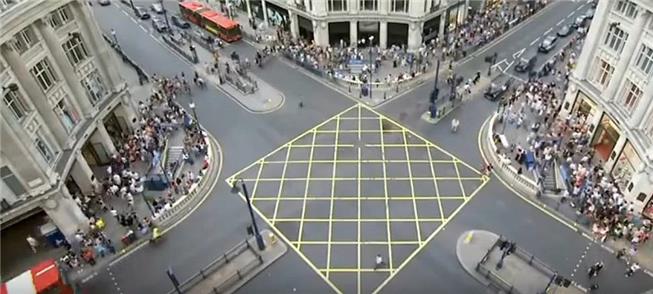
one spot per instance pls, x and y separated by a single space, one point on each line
52 235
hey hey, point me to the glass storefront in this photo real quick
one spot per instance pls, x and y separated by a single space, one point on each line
625 166
455 16
605 137
584 107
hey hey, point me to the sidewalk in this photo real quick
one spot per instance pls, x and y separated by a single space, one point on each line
478 253
162 215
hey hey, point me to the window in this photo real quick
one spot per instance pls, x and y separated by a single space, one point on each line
435 5
12 181
399 6
43 149
337 5
627 8
67 116
14 102
615 38
44 75
60 17
632 93
603 72
645 60
23 40
369 4
94 86
75 50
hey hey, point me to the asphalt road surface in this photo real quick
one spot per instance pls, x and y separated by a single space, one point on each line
220 223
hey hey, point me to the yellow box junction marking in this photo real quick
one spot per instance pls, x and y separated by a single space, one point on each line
353 128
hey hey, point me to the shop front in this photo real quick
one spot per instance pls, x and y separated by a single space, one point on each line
648 209
431 29
305 28
278 16
367 29
397 34
339 33
455 17
605 137
585 108
625 167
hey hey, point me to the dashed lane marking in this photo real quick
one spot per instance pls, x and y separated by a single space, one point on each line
560 22
570 14
534 41
547 31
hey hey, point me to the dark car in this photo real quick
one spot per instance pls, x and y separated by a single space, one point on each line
141 12
179 22
548 44
159 25
579 22
157 8
104 2
495 92
526 62
564 31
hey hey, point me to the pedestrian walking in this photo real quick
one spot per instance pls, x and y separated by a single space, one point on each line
378 262
594 270
454 125
33 244
621 253
632 269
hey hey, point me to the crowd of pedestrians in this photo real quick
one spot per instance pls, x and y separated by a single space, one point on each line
115 195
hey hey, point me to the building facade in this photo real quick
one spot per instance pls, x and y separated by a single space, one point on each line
381 22
64 107
613 86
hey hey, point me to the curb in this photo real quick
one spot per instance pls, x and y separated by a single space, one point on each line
528 195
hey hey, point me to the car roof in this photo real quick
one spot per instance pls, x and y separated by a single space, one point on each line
550 38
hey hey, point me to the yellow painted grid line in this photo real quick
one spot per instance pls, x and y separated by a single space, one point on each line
282 179
412 187
420 137
385 191
435 184
308 180
279 234
462 188
355 198
230 180
353 270
356 242
322 145
333 192
354 131
359 161
355 220
419 249
358 213
258 175
281 182
358 118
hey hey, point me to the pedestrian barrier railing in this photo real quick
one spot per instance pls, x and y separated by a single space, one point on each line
219 262
172 44
497 284
142 76
507 168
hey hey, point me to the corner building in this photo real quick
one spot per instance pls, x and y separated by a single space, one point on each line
613 86
389 22
64 109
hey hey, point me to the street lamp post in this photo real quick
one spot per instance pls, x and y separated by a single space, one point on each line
371 69
235 189
115 38
434 94
192 108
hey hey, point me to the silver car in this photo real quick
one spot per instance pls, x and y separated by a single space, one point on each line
157 8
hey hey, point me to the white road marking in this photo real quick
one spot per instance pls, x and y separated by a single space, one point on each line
547 32
515 77
570 14
560 22
124 12
579 8
518 53
509 65
143 28
534 41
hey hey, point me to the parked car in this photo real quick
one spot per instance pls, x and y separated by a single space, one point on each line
126 2
159 25
104 2
495 92
564 31
141 12
157 8
179 22
589 14
548 44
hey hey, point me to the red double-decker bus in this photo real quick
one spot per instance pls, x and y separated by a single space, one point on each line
213 21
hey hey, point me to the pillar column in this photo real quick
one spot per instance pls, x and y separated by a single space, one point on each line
414 36
320 33
594 35
265 13
79 98
105 139
82 173
383 34
93 37
443 23
249 9
35 94
626 55
353 33
65 213
294 25
639 119
7 194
